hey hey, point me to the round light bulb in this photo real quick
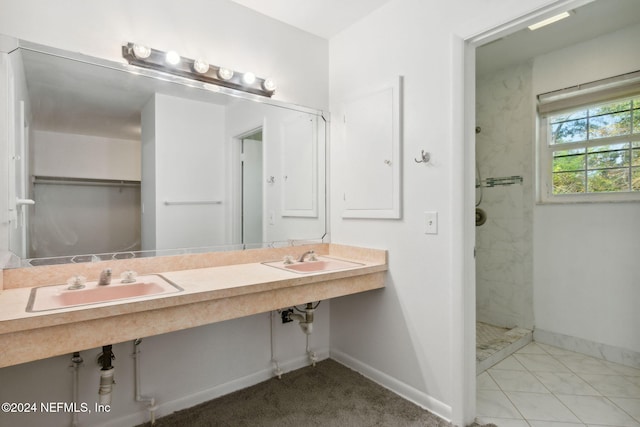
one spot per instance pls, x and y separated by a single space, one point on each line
141 51
225 73
269 85
248 78
172 57
200 66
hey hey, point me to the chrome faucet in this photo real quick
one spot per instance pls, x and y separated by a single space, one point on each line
304 255
105 277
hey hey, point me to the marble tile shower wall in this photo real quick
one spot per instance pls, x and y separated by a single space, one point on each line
504 147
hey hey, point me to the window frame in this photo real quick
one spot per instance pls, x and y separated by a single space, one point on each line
544 157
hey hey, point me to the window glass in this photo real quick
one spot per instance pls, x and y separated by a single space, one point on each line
635 179
595 149
608 180
610 124
568 182
569 160
635 157
608 156
569 128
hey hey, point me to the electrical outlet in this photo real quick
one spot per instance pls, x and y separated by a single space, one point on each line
431 223
285 315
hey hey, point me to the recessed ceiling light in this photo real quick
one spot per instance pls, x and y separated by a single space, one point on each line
550 20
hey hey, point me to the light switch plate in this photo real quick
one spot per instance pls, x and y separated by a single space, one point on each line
431 222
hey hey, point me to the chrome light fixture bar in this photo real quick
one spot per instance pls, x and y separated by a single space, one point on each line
170 62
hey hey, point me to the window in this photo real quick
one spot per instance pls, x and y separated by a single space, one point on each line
591 151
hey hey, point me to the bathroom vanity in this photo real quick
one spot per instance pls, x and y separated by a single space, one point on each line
214 287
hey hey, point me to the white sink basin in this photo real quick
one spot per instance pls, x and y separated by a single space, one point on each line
322 264
56 297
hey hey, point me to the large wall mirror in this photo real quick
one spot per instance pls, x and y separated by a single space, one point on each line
110 160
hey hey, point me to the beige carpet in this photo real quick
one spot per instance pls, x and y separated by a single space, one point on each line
328 394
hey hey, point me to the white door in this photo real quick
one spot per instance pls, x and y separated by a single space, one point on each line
252 191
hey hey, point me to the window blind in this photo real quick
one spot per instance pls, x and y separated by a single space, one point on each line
608 89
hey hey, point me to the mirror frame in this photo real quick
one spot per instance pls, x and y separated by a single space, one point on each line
10 44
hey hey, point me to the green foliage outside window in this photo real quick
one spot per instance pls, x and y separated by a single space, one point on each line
584 167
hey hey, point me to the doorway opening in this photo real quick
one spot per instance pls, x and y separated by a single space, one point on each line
501 137
251 187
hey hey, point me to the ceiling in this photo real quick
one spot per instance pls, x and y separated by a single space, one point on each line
329 17
323 18
587 22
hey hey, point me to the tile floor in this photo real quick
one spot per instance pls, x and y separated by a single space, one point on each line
494 343
545 386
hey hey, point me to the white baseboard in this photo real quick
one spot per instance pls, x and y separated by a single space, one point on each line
610 353
166 408
403 390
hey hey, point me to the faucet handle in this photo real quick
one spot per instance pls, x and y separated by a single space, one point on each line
76 282
128 276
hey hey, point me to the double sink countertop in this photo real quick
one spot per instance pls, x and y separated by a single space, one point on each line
215 286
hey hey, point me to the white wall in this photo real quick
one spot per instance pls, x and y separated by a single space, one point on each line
410 335
189 166
4 152
148 163
221 31
207 361
179 370
19 155
242 118
72 219
504 148
84 156
586 256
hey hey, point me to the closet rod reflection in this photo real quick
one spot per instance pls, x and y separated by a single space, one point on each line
84 181
194 202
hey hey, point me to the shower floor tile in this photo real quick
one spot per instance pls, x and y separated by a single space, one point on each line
494 343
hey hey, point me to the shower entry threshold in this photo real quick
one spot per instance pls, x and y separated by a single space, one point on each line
494 344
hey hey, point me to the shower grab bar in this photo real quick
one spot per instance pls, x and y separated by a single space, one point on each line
501 181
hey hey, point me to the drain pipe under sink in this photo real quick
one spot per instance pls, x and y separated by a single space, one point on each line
106 375
151 407
76 361
306 324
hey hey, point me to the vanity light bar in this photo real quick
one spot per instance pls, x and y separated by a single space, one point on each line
172 63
